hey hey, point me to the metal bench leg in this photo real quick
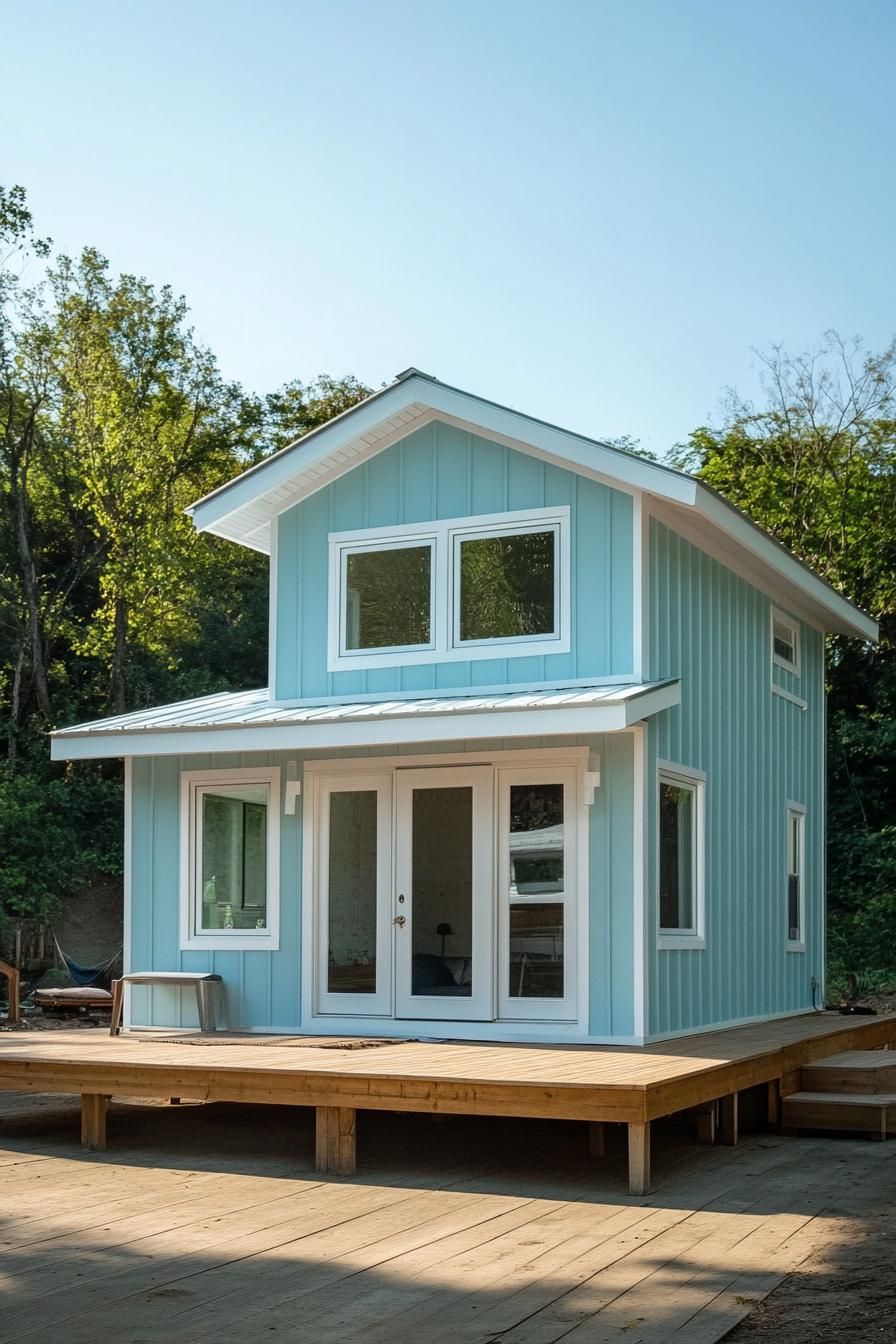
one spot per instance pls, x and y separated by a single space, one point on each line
207 992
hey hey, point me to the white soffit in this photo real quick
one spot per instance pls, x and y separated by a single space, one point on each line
249 721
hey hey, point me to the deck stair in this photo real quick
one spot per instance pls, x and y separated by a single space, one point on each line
855 1091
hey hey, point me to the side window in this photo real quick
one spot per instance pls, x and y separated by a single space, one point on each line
680 860
796 862
785 642
229 859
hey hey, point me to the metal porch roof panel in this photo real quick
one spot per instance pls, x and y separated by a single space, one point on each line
251 710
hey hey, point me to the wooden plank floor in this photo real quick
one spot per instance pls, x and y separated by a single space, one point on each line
462 1231
576 1082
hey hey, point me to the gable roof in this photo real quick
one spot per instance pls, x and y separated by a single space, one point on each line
242 510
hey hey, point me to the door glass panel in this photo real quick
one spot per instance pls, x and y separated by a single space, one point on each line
442 892
351 963
536 870
536 950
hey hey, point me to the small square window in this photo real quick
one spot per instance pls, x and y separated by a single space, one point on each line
785 642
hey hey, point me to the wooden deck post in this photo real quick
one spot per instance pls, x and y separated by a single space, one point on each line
12 976
774 1104
639 1158
706 1123
597 1139
335 1141
728 1117
94 1106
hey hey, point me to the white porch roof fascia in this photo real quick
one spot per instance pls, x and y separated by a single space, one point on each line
248 721
242 510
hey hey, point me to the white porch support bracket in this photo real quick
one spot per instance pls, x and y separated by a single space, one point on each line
293 789
591 779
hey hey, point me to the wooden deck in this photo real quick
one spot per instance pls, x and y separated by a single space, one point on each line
194 1230
594 1084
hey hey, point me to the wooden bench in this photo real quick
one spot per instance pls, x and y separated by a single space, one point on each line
208 993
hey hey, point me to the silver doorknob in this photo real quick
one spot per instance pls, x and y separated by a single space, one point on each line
400 921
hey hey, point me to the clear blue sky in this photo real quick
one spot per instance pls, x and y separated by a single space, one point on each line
588 210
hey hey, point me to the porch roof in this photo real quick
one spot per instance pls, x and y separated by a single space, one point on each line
250 721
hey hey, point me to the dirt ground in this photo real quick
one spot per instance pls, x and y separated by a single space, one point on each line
845 1292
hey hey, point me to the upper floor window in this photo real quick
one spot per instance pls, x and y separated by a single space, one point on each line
785 642
480 587
796 850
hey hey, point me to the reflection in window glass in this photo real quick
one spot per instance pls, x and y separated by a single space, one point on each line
352 893
387 598
784 640
536 839
507 586
536 950
676 856
234 859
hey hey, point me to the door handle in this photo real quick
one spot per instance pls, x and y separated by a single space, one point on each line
400 921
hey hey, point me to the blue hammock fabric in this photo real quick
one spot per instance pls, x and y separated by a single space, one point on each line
86 975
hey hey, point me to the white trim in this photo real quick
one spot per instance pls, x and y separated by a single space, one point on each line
789 696
445 537
795 810
273 621
640 977
728 1024
509 756
694 938
192 784
127 884
391 729
779 617
821 913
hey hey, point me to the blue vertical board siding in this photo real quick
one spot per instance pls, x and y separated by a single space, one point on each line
441 471
759 751
263 988
611 934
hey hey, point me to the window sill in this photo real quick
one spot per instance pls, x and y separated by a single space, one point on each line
462 653
794 947
226 942
681 942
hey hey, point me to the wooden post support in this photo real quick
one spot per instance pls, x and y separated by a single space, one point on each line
93 1121
335 1147
117 1003
774 1104
706 1123
639 1158
12 977
597 1139
728 1119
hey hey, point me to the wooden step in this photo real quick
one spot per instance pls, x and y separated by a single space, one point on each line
859 1113
856 1071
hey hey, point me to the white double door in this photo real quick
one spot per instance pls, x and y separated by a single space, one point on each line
408 924
406 894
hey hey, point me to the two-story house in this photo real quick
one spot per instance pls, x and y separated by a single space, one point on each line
541 755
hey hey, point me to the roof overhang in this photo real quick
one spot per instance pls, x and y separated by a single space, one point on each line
243 510
247 721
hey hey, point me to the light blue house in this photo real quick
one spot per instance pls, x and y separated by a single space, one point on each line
541 756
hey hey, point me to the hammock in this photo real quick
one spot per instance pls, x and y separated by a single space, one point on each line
86 975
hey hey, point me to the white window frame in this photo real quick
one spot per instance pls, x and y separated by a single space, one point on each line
684 777
538 1009
795 810
781 618
194 784
445 536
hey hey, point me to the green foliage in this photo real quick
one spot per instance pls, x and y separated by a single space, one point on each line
112 420
816 466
